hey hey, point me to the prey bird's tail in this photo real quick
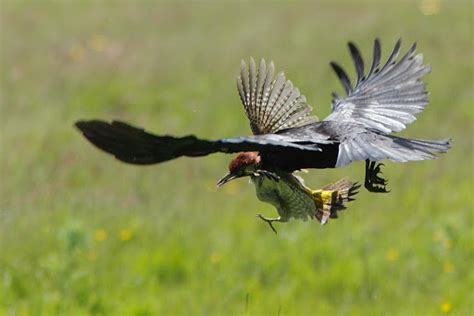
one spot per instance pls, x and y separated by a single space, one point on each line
331 198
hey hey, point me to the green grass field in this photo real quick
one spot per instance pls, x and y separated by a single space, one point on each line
83 234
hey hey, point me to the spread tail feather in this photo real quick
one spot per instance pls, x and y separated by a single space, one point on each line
331 198
419 146
376 147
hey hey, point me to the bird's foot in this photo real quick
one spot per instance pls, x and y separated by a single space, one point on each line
270 221
373 182
270 175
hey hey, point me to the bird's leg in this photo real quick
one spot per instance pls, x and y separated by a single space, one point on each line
373 182
270 175
270 221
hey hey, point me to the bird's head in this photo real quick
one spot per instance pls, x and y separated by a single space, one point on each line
244 164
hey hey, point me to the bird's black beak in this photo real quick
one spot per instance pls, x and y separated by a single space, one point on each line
228 177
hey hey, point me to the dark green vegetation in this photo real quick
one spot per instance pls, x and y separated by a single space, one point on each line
81 233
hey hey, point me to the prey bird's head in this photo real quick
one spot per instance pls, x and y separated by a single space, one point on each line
245 164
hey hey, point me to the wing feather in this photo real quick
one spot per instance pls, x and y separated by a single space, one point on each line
358 62
376 59
343 77
271 104
385 99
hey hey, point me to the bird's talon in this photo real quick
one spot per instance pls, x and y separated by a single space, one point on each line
373 181
378 169
380 181
269 221
269 175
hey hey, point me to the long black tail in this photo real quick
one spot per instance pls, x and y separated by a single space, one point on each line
136 146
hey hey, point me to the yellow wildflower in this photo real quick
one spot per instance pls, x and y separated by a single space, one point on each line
392 255
100 235
98 43
448 267
215 258
125 234
446 307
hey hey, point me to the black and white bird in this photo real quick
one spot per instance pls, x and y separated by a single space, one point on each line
382 101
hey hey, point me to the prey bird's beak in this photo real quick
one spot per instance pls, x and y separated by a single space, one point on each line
228 177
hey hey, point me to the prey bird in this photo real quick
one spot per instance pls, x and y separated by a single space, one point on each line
287 138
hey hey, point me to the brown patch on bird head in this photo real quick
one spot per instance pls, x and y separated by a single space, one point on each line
243 165
243 159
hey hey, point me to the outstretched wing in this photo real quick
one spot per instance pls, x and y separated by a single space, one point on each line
387 98
271 105
136 146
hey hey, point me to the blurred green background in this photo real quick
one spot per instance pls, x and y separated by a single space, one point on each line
83 234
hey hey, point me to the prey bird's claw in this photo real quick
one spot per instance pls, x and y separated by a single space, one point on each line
270 175
269 222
